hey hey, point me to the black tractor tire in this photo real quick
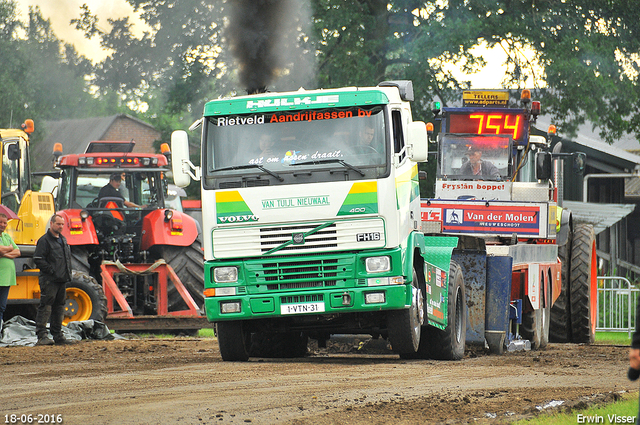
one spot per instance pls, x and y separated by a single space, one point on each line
286 345
233 341
405 326
583 285
80 259
560 328
188 263
85 299
536 323
449 344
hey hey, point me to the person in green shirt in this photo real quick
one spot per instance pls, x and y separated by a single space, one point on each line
8 251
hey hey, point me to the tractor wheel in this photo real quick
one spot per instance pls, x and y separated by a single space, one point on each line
583 285
448 344
233 341
405 326
80 260
279 344
188 263
85 299
560 328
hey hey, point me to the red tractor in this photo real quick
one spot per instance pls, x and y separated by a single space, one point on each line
146 258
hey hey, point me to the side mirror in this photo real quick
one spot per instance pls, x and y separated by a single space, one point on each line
579 162
417 133
180 153
543 166
13 152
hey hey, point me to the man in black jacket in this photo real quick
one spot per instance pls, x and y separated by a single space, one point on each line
53 258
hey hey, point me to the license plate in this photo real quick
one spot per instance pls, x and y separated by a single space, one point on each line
302 308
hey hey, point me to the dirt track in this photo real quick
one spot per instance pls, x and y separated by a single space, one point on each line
184 380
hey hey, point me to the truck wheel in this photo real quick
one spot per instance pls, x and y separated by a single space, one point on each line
85 299
583 285
405 326
232 340
279 344
448 344
188 263
560 328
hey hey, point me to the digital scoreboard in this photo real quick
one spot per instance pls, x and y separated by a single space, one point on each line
501 123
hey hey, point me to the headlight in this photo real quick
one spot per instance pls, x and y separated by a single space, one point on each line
378 264
225 274
230 307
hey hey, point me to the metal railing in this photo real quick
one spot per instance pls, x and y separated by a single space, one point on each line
617 301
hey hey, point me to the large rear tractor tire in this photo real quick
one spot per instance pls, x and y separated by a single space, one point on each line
80 260
188 263
560 328
448 344
405 326
85 299
583 285
233 341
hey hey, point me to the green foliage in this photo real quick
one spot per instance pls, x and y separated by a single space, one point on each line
40 77
582 56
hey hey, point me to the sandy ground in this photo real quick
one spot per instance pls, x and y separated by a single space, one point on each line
184 381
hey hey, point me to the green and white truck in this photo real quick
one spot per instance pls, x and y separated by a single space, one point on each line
312 224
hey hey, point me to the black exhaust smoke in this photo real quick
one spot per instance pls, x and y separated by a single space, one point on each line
260 32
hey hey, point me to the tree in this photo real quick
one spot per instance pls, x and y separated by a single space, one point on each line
582 56
41 78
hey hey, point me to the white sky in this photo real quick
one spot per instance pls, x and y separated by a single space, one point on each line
60 12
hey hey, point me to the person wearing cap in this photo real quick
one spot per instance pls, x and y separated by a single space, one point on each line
112 190
476 166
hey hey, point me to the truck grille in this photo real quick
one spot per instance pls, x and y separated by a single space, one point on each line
284 273
272 237
247 241
295 299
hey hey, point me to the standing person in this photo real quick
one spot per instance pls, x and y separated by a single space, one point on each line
8 251
53 257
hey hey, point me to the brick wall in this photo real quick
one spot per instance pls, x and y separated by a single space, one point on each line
125 129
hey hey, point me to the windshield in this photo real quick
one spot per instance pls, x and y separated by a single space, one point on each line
141 188
474 157
282 144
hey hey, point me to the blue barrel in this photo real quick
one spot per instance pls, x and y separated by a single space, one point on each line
497 301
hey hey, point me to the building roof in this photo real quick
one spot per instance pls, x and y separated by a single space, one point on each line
74 134
602 216
600 155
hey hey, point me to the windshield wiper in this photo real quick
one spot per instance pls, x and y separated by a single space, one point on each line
330 161
244 167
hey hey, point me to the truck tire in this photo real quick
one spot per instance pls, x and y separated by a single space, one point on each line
405 326
583 285
560 328
188 263
85 299
448 344
233 341
286 345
